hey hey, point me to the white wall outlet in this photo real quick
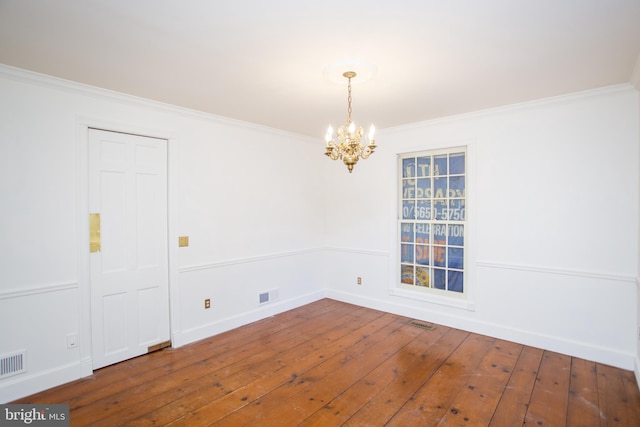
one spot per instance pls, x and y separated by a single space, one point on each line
72 341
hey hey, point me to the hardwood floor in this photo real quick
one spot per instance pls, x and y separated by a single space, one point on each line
330 363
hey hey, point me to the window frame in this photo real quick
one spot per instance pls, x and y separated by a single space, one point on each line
432 294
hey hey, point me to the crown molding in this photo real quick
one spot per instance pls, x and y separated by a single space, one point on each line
44 80
511 108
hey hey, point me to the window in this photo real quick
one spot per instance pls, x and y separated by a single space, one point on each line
432 221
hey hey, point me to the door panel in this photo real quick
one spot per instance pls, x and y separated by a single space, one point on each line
129 275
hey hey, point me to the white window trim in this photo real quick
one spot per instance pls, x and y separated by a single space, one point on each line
421 295
465 300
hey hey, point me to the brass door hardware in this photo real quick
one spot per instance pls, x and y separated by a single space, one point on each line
94 232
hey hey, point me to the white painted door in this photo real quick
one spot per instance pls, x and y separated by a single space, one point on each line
129 270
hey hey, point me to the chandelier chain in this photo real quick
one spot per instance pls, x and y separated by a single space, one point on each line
349 103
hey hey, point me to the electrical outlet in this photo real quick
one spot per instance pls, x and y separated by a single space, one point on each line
72 341
207 304
359 280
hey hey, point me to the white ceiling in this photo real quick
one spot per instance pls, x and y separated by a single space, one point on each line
262 61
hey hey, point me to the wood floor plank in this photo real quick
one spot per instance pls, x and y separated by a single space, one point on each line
583 407
213 370
229 404
632 399
476 403
356 360
388 402
335 380
330 363
116 378
618 408
512 408
253 379
344 405
430 403
550 396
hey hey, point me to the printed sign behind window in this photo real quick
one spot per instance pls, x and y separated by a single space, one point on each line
432 220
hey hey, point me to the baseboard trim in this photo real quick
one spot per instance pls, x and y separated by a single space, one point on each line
21 386
582 350
205 331
637 370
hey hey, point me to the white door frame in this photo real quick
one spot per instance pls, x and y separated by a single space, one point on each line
84 288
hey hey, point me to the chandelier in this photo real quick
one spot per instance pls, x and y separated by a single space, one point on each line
345 144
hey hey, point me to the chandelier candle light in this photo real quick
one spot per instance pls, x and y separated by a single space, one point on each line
345 144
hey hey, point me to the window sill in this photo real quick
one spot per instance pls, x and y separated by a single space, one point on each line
455 302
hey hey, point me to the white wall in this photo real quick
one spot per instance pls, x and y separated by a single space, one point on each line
552 224
247 196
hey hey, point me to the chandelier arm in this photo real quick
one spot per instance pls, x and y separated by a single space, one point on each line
333 153
367 152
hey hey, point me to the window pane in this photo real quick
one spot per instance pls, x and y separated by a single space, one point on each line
456 164
441 211
409 167
406 275
440 165
424 166
407 253
440 239
406 232
439 279
440 234
408 188
454 258
440 188
424 188
422 233
456 186
455 281
422 254
456 235
439 253
456 210
423 210
422 277
408 209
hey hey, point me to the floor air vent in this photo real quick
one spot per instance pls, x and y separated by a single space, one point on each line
12 364
422 325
